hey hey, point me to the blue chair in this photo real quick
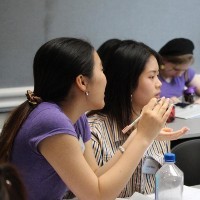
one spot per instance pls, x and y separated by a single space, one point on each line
188 160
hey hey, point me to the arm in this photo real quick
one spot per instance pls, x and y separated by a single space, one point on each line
196 83
105 166
64 155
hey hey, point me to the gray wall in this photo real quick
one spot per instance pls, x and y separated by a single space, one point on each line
26 24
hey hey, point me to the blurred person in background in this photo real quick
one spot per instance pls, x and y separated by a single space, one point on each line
176 73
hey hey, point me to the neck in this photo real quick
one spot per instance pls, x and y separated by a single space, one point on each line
136 113
73 109
165 77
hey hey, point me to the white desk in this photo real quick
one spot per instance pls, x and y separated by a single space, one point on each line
193 124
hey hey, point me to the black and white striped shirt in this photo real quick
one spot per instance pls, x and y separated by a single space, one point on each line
106 139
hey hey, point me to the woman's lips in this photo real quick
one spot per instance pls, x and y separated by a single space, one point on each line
157 95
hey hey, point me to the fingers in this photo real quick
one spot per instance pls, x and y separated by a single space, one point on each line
175 100
162 105
167 129
156 104
150 105
173 135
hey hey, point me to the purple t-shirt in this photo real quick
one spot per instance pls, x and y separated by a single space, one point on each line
47 119
176 86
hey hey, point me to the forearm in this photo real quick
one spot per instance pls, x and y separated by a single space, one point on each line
115 179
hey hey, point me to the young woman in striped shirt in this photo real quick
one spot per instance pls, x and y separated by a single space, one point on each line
131 69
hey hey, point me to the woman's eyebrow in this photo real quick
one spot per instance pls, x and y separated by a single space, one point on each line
152 71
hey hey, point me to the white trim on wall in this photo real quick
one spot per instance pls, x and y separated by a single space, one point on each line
12 97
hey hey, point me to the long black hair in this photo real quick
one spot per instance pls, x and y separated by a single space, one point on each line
11 185
123 70
56 65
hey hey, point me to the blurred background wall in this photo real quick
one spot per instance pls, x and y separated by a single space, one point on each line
26 24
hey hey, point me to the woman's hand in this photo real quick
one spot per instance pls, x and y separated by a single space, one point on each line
154 117
168 133
175 100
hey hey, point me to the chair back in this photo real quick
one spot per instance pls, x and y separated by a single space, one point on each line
188 160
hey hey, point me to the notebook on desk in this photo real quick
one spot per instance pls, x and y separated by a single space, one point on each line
191 111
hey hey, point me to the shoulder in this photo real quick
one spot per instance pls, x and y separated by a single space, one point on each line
49 113
48 118
189 75
191 72
99 124
97 120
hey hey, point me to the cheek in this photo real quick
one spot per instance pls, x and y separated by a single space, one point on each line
141 97
104 80
143 94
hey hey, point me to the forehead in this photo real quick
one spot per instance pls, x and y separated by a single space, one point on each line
151 65
97 59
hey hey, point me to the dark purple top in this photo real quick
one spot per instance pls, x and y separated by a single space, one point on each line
46 120
176 86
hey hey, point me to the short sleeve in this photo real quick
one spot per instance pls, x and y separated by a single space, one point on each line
83 129
189 76
49 122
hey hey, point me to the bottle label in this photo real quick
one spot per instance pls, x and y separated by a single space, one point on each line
150 166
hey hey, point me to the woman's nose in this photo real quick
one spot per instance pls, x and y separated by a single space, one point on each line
158 83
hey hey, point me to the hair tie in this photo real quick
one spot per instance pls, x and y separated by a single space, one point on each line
32 99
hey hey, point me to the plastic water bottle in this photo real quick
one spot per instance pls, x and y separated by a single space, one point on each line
169 180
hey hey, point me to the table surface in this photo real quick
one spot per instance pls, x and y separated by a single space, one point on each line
193 124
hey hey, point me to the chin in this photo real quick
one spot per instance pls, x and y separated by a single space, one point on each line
102 105
98 106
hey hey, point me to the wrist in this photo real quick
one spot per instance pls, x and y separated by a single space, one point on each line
143 140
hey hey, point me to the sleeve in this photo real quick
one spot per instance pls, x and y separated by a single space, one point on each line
189 75
83 129
49 123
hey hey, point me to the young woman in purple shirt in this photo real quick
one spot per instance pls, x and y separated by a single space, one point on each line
48 139
176 74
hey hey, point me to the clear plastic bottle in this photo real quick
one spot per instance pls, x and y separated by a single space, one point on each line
169 180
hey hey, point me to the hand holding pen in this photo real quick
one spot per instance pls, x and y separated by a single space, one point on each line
153 116
128 127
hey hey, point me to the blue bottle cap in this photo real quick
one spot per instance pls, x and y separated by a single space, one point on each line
169 157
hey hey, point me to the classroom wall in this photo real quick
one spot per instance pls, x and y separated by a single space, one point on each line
26 24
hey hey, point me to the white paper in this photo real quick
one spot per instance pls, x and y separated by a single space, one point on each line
189 193
188 112
138 196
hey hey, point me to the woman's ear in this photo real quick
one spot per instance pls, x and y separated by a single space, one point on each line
82 82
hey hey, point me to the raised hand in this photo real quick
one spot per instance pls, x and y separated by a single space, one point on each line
154 117
169 134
